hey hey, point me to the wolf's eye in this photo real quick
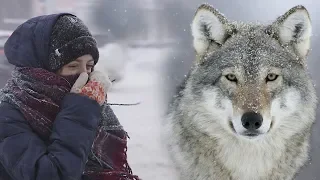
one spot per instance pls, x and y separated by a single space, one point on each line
231 77
271 77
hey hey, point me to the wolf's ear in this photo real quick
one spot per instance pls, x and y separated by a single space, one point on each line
294 29
209 29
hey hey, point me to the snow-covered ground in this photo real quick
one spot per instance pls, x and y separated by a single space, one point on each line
141 83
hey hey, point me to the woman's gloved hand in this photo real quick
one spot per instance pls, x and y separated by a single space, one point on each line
96 88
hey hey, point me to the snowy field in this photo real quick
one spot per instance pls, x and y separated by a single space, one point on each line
141 83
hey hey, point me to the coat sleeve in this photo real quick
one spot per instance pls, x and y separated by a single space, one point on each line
26 157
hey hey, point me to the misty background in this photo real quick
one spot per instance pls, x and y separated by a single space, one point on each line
150 42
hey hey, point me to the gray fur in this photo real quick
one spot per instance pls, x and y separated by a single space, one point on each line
199 135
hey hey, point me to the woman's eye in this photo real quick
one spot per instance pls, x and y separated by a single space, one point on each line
271 77
231 77
90 66
72 66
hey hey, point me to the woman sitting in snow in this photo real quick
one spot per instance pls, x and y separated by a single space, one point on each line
54 120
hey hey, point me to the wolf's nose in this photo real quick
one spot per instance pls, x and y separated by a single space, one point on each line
251 120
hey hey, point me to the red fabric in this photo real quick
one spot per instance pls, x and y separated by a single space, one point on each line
94 90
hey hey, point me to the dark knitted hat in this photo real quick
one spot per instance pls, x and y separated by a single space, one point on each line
69 40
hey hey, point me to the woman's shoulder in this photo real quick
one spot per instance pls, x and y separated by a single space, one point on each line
8 110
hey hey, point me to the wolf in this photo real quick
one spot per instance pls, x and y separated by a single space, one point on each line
246 108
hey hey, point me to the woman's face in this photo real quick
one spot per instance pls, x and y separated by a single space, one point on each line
81 64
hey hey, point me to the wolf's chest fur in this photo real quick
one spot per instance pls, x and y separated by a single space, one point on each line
249 161
202 158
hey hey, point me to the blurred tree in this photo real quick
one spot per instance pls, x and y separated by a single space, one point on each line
176 17
121 18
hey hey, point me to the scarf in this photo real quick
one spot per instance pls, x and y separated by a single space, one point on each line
38 93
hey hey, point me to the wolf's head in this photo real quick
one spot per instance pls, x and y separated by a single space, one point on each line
251 79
